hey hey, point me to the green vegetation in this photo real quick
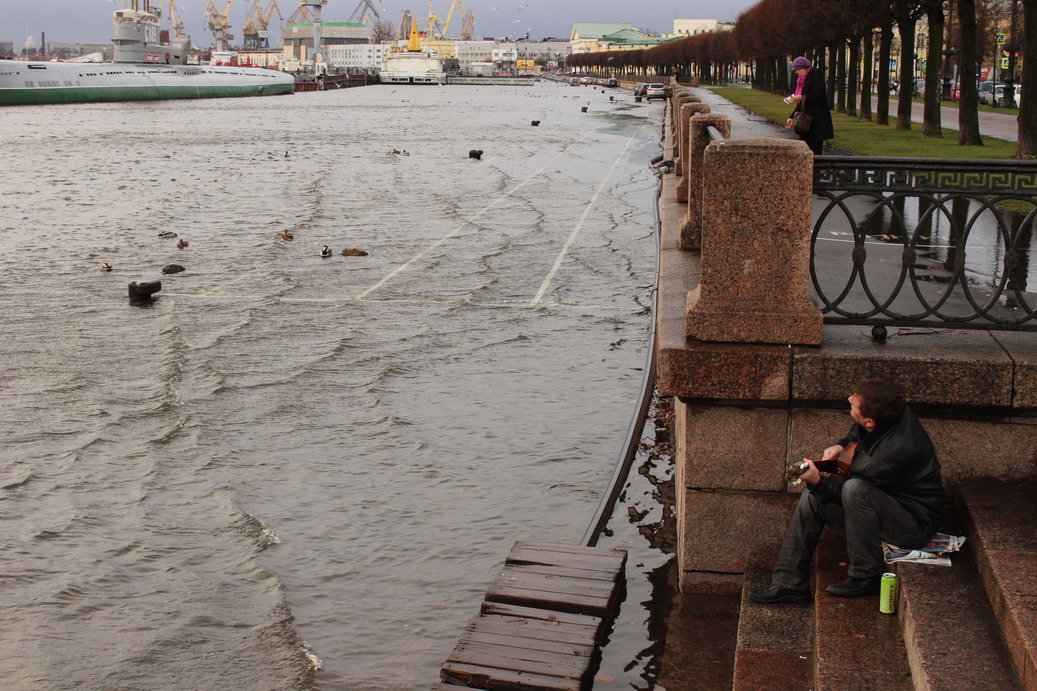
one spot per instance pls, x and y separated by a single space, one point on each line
869 139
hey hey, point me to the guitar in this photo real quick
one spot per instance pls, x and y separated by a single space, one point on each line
837 466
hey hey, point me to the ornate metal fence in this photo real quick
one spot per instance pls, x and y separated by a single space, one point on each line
910 242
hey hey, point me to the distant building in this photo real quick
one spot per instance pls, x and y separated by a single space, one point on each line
596 37
7 49
542 52
694 27
297 39
357 57
586 35
471 52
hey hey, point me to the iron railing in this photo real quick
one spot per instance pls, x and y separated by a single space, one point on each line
911 242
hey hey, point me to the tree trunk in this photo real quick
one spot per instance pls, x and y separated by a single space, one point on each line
906 28
885 53
866 74
968 117
831 77
1027 142
931 120
853 76
840 77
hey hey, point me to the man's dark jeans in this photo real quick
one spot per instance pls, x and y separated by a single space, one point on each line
867 514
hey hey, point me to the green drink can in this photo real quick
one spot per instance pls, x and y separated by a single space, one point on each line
888 593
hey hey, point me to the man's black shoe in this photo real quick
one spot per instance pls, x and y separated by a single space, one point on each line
856 587
776 594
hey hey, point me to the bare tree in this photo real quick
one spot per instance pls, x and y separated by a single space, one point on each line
968 117
1026 147
382 31
931 120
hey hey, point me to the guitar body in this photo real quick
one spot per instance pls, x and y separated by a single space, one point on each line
840 466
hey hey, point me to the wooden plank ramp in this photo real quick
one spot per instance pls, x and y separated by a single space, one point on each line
544 616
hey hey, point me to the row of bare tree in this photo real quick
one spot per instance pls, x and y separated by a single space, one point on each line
846 38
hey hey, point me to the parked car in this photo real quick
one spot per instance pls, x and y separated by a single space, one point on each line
612 82
996 96
655 91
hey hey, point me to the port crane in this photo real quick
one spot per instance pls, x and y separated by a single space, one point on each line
257 23
406 19
468 26
176 20
361 11
219 24
437 28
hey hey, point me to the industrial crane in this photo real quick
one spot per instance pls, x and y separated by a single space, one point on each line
219 24
406 19
257 23
436 28
176 21
362 9
468 26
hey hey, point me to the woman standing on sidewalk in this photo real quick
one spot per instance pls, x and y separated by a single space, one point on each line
811 98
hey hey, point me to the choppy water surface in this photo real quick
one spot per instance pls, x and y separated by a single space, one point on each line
296 471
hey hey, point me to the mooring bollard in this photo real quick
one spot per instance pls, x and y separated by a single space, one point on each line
143 291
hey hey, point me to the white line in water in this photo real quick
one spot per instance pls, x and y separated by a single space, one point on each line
579 226
395 272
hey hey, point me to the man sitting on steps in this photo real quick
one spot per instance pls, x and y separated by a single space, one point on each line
893 494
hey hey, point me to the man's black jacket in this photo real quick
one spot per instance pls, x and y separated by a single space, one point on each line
898 459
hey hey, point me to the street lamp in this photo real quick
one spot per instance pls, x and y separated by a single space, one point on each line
948 53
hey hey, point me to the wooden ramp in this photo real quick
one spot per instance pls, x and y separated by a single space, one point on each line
542 620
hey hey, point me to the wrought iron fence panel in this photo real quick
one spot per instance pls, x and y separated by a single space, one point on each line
962 237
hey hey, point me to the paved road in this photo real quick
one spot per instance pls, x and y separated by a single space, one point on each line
998 125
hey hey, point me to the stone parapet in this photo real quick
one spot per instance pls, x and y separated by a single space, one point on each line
755 285
698 139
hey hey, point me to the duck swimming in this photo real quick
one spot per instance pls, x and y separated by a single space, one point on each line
105 267
167 234
286 235
182 244
325 252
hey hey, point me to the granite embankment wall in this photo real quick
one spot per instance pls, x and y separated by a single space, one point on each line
759 381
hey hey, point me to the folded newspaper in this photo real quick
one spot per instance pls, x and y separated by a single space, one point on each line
934 553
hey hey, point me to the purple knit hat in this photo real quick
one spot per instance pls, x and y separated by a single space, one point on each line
799 63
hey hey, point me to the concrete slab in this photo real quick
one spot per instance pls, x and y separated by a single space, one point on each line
944 368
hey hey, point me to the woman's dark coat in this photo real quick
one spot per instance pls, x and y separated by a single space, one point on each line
815 104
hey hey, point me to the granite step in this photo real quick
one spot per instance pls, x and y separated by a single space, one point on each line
1002 533
952 637
855 645
775 642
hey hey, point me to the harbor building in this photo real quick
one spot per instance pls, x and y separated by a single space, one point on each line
297 39
357 57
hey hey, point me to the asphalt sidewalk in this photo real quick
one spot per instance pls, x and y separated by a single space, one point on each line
747 124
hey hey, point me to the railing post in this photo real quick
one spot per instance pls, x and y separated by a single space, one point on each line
698 139
681 166
755 285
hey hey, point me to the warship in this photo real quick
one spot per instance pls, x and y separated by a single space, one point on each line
143 69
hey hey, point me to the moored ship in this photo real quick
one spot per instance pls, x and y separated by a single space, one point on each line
416 65
143 69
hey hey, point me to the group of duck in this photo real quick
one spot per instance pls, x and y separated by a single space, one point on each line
325 251
169 268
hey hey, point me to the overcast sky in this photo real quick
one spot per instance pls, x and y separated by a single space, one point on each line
89 21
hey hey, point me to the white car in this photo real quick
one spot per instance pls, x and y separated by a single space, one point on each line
996 97
655 91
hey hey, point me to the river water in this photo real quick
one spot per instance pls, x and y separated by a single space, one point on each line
295 471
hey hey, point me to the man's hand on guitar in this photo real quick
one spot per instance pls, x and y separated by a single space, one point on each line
804 471
832 452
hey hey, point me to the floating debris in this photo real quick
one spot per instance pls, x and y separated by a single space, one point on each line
476 154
